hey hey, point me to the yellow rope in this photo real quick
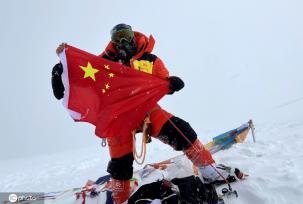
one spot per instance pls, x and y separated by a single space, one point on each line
145 136
142 154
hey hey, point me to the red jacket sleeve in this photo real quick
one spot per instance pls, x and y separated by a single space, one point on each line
159 69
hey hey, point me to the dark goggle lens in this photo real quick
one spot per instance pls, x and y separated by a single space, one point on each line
122 35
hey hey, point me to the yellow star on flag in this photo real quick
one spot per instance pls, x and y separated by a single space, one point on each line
89 71
106 66
103 90
107 86
111 75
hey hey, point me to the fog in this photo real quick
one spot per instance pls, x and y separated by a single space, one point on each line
239 60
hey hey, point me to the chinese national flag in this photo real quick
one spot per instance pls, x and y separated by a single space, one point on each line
106 94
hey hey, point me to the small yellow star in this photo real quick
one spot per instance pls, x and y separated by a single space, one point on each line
103 90
106 66
107 86
89 71
111 75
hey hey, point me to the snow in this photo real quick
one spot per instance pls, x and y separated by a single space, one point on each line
274 165
239 60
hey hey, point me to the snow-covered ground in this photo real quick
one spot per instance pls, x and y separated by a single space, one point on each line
239 60
274 165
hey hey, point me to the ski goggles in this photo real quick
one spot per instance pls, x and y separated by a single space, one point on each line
123 35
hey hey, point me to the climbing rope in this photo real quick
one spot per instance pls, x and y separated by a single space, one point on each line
140 158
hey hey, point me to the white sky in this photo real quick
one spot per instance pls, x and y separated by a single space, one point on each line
239 60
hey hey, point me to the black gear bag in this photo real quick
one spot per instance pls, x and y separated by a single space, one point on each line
188 190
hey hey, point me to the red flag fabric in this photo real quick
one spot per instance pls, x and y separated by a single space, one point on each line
113 97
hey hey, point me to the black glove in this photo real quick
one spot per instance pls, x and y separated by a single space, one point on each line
57 84
175 84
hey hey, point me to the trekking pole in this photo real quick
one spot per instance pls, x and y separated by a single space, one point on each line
252 127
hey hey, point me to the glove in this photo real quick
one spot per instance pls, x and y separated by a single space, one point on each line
57 85
175 84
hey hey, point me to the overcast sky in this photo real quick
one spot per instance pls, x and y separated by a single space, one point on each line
239 60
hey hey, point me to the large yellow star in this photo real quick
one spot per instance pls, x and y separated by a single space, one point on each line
89 71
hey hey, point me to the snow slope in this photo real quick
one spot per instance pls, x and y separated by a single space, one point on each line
274 164
239 59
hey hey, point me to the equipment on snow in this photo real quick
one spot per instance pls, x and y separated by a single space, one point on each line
230 174
196 158
227 139
179 190
100 190
252 127
229 192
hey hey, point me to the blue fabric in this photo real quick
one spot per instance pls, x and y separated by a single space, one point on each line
103 179
226 139
109 198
